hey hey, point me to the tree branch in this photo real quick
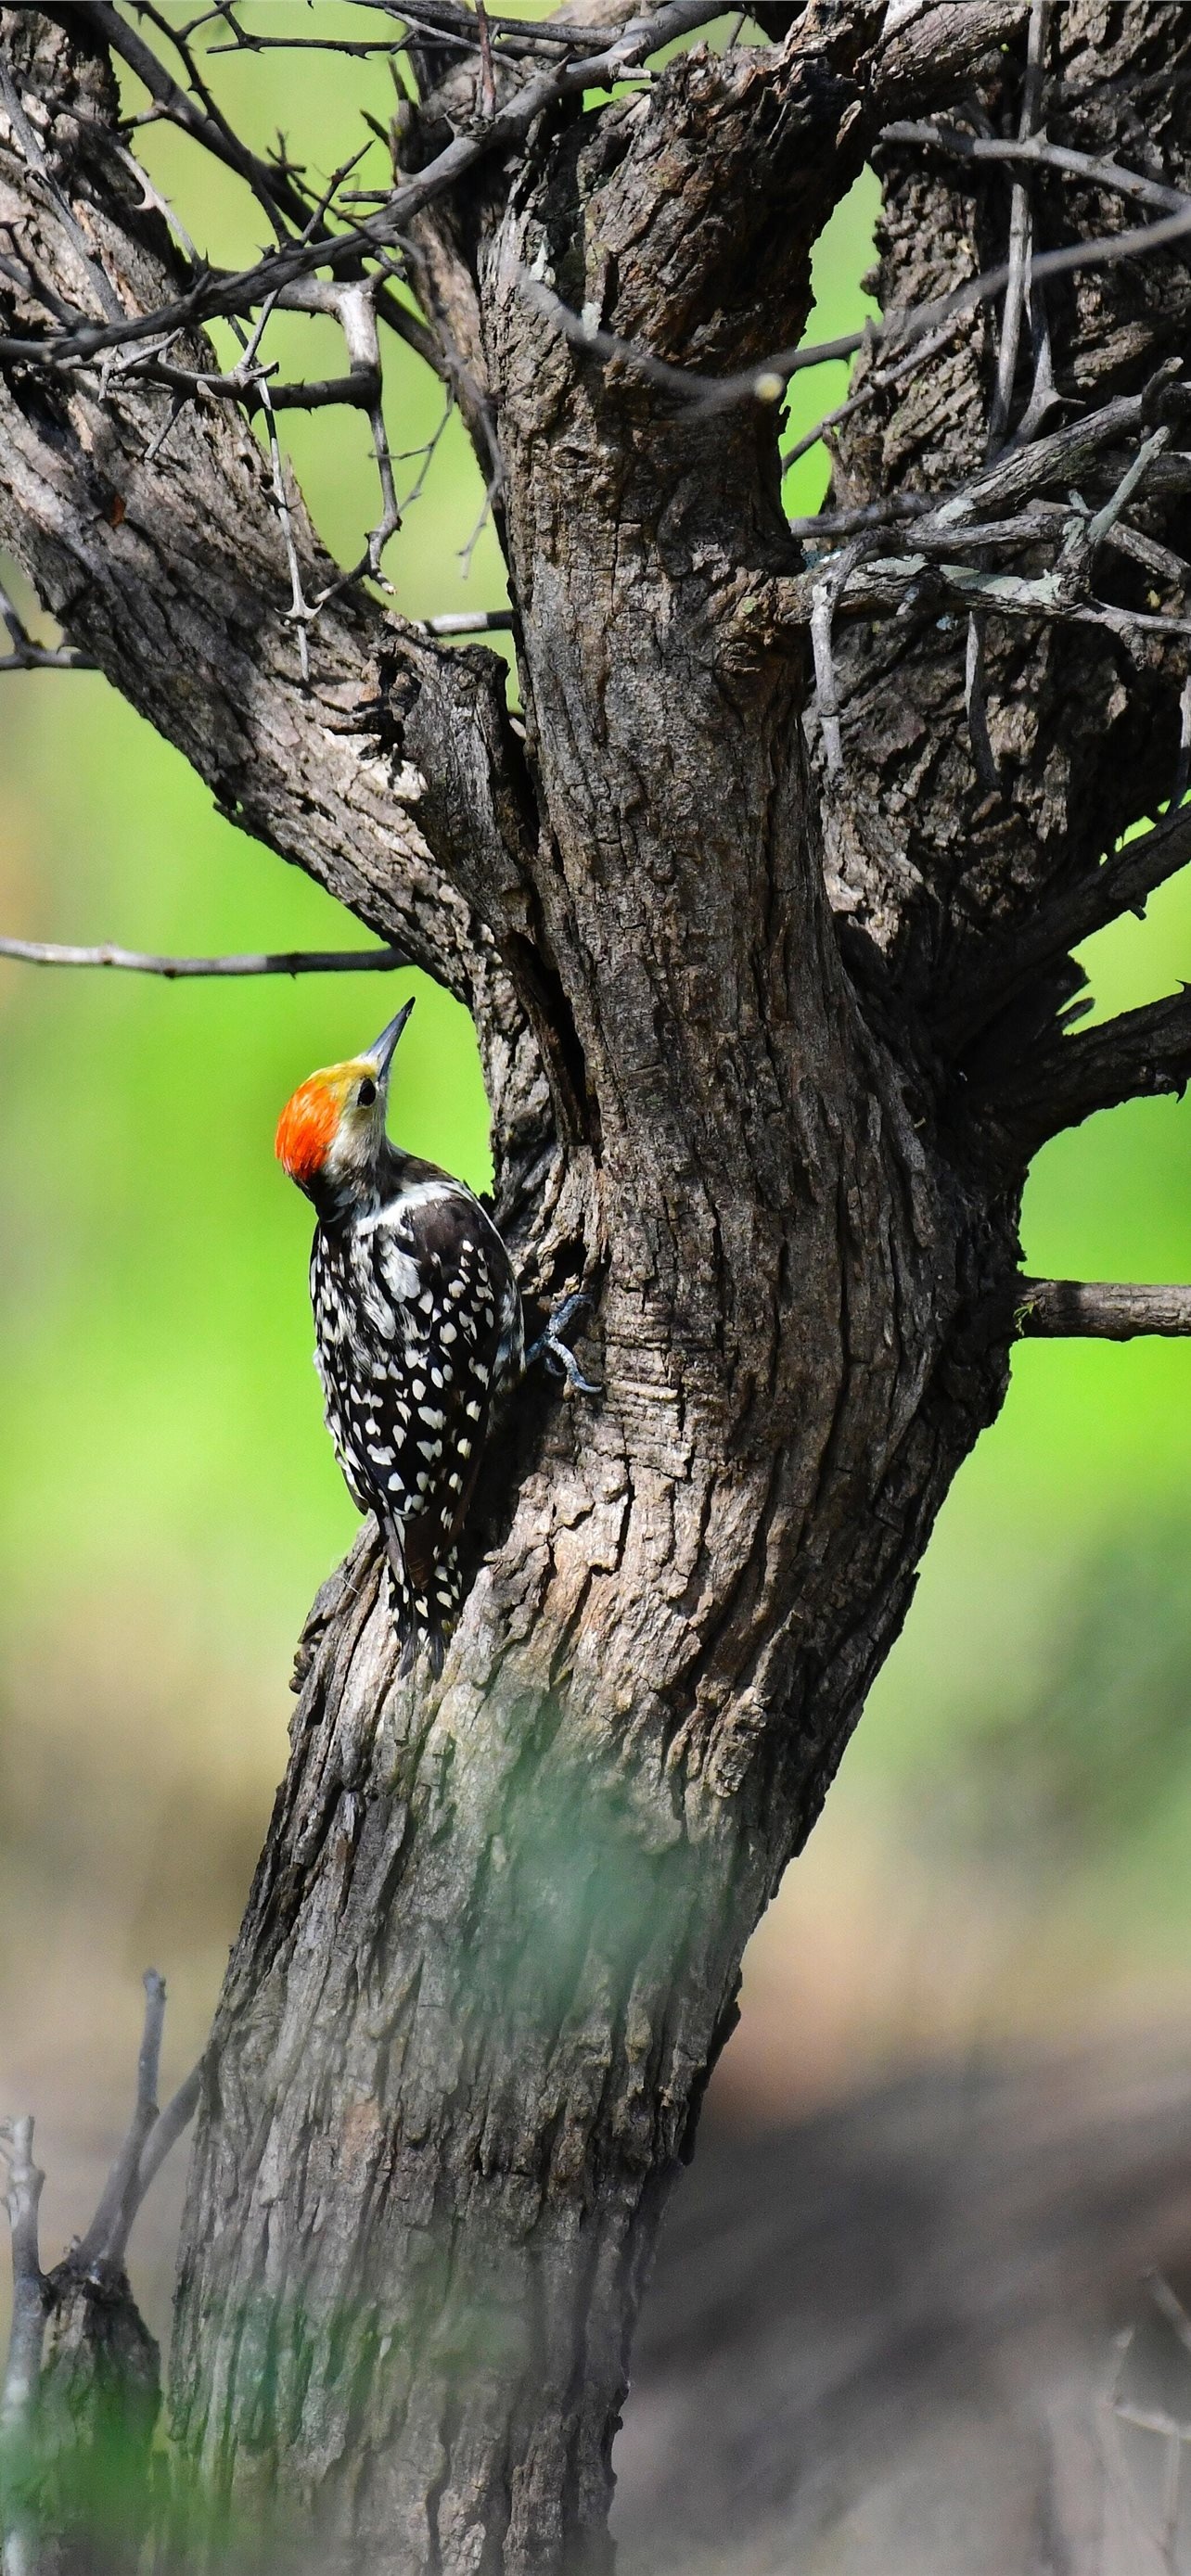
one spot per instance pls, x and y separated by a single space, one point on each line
25 655
1098 1310
1122 882
1139 1055
272 188
216 296
107 2235
26 2343
1037 152
23 2194
170 2125
765 381
395 777
80 2394
135 961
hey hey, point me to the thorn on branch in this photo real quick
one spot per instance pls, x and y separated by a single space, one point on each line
1021 238
826 591
976 705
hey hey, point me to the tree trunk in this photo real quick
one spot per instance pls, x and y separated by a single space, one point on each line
776 1113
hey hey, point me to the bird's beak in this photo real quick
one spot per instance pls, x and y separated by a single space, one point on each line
381 1055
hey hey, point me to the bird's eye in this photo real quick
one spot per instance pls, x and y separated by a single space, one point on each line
366 1093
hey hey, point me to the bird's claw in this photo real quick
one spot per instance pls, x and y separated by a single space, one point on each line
558 1357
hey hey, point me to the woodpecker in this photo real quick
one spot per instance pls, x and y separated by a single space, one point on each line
418 1325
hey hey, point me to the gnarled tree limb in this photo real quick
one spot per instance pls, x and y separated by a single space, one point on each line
394 780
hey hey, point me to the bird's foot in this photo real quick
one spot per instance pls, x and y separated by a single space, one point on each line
556 1354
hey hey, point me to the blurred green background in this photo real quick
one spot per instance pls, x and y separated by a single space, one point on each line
1006 1852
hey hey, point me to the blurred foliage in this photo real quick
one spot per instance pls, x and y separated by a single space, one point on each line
1084 1754
169 1500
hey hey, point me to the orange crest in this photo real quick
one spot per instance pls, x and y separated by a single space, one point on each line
305 1129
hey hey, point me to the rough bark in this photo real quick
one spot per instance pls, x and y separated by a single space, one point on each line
493 1943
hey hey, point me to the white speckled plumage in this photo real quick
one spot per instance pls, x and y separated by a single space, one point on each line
418 1328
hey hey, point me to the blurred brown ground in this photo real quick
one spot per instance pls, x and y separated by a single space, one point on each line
886 2342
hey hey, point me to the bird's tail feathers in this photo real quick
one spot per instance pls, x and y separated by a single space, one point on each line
424 1613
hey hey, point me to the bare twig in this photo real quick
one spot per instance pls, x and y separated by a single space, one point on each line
470 621
57 657
214 295
1021 236
426 454
150 2136
25 655
22 2368
890 585
928 575
224 294
1066 453
273 189
1099 1311
976 702
827 588
300 613
467 550
290 961
514 37
170 2125
22 2196
1040 522
1037 152
766 382
106 2238
356 307
487 100
873 514
894 372
1106 518
1021 242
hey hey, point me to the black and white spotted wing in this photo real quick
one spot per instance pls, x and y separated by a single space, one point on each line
419 1329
